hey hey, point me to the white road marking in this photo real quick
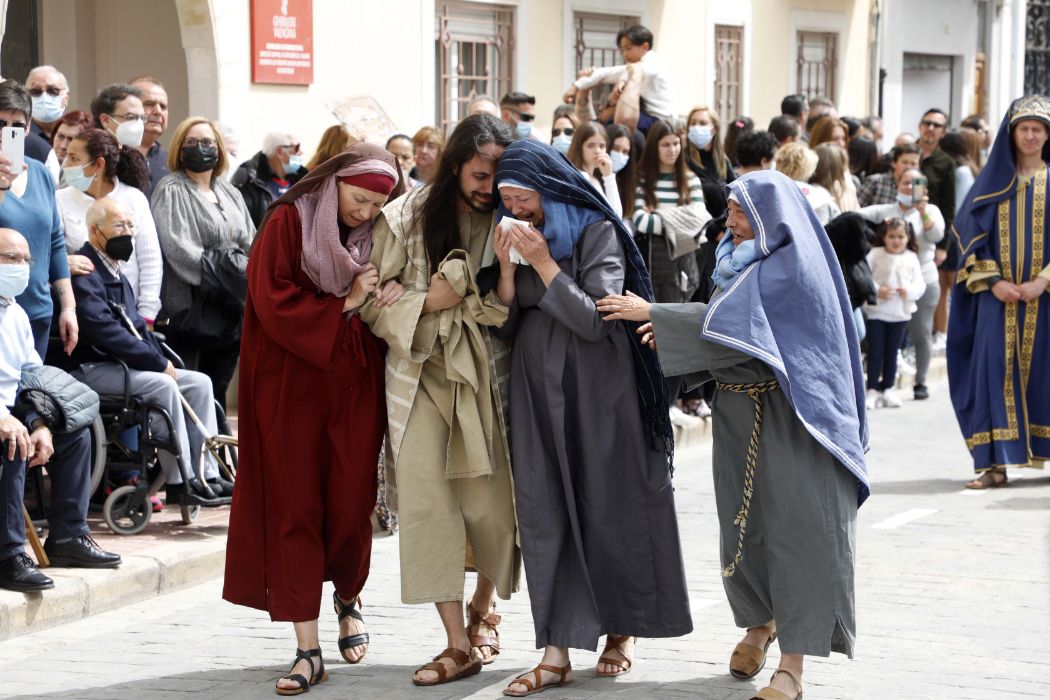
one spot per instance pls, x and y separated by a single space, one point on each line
899 519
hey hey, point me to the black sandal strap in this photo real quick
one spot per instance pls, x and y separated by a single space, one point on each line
308 656
342 610
353 641
298 678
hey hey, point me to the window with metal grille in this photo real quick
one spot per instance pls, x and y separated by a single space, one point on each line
729 70
596 44
817 60
475 47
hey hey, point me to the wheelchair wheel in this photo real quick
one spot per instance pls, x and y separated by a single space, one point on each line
127 510
189 513
98 452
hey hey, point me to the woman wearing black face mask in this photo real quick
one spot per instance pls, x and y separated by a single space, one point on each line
205 232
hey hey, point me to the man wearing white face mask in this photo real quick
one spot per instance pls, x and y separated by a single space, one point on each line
269 173
118 109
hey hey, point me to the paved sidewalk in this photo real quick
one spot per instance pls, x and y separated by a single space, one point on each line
952 603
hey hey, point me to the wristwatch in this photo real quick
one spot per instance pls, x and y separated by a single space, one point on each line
993 280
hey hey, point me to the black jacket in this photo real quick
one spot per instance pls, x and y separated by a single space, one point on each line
250 180
939 169
102 328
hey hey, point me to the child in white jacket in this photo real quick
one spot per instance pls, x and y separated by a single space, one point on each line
897 273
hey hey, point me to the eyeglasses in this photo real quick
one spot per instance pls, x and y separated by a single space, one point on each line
52 90
17 125
293 147
16 259
129 117
930 124
568 131
193 143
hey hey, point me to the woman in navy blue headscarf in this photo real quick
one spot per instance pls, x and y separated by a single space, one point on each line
588 416
789 430
999 330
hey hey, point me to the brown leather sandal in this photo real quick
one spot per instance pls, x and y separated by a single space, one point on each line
747 660
990 479
768 693
466 665
614 641
475 619
538 685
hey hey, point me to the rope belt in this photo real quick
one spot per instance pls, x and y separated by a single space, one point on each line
755 391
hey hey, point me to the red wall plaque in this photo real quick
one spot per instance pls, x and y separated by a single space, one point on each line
282 41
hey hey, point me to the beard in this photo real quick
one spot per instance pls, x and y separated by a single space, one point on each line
473 200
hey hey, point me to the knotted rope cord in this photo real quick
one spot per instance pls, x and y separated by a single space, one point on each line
754 391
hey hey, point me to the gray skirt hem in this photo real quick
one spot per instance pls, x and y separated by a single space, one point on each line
591 643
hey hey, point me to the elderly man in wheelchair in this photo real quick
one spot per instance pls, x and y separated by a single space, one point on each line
117 352
26 440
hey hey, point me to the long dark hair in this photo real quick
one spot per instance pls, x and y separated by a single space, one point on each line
439 212
625 179
123 162
650 165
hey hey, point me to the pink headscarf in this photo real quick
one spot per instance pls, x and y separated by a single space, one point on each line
331 265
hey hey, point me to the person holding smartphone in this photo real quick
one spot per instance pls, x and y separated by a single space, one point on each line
914 206
27 205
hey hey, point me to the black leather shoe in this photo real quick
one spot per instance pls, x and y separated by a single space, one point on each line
220 487
19 573
196 493
921 392
80 552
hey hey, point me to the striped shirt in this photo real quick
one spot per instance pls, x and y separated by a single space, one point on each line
650 223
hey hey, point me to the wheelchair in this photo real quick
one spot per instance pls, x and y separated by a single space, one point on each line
126 441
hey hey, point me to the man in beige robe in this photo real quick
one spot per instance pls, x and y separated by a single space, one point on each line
446 383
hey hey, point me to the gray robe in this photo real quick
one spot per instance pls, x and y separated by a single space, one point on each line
595 505
799 549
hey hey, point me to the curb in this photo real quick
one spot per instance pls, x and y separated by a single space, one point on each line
79 593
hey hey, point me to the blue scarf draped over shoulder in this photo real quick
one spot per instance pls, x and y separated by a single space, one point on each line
571 204
790 310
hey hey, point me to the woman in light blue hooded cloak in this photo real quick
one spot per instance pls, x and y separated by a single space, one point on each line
790 430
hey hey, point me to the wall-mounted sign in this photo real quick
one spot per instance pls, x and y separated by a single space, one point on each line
282 41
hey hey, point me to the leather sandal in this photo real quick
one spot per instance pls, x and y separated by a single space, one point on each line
747 660
537 685
614 642
355 640
991 479
466 665
768 693
320 676
475 619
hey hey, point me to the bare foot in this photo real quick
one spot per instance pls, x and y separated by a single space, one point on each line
349 627
428 676
785 684
622 652
483 625
302 667
516 687
758 636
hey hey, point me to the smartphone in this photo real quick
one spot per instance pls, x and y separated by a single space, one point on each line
918 189
14 148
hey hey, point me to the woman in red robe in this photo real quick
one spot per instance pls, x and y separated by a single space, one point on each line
312 407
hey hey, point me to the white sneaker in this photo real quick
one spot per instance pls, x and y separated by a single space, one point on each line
903 366
890 399
683 419
703 410
940 342
874 398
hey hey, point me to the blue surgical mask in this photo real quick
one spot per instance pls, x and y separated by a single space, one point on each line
523 129
294 163
619 160
905 200
700 136
75 178
13 280
561 143
47 109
